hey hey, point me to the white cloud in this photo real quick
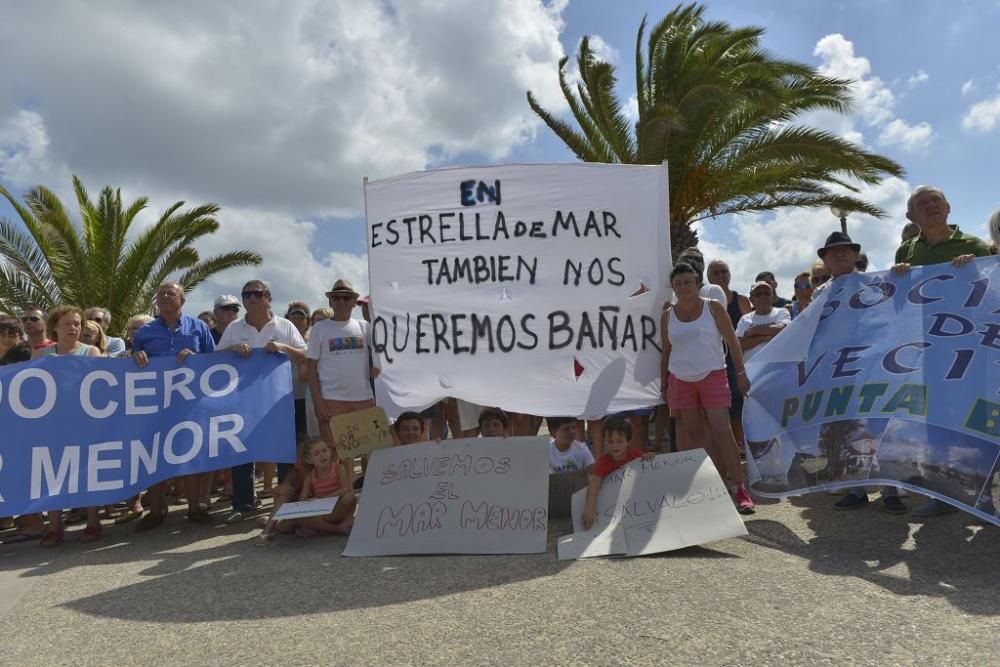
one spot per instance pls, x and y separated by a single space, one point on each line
911 138
983 115
968 87
874 101
917 78
785 242
274 110
872 98
632 108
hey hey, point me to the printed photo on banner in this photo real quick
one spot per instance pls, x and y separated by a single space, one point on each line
890 379
536 286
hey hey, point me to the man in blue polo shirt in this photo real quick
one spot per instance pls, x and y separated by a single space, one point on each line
172 334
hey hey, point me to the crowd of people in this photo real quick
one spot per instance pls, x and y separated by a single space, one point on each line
708 332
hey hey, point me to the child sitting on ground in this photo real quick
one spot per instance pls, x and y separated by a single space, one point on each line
493 423
617 439
322 474
565 453
409 429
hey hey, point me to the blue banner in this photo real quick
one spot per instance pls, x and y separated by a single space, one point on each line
885 380
86 431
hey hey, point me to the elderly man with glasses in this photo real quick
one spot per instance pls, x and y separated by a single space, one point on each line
226 309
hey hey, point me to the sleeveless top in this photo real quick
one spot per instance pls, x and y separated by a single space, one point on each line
81 351
324 488
733 308
696 346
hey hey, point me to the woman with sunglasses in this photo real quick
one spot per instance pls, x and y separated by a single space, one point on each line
64 325
803 293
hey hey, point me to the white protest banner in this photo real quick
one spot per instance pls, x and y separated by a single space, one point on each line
305 508
464 496
536 288
674 501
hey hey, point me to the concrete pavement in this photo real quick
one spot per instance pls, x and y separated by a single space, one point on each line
808 586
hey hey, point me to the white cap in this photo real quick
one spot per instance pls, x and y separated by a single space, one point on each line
226 300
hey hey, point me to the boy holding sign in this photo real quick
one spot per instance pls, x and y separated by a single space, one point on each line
617 436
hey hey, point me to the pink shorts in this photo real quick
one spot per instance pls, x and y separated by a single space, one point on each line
712 391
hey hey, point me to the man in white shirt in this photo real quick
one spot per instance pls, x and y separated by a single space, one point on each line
338 361
260 328
764 322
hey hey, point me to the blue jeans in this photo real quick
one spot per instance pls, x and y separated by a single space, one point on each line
243 487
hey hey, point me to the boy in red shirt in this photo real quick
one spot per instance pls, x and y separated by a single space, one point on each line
617 436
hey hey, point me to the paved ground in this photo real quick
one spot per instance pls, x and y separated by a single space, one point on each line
808 586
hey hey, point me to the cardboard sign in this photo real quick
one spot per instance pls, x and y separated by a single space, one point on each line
358 433
547 279
464 496
672 502
306 508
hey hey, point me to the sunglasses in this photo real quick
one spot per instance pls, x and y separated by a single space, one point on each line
341 297
231 309
802 285
31 318
253 294
819 280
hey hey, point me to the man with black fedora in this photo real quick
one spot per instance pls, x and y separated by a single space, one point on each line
840 255
337 361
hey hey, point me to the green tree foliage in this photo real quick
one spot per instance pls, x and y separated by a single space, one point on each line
49 260
722 112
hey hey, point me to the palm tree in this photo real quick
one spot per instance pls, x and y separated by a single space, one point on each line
721 112
51 260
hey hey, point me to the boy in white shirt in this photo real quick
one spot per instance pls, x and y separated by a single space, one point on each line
764 322
565 453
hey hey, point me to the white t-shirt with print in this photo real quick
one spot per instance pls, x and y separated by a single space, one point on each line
577 457
752 319
341 351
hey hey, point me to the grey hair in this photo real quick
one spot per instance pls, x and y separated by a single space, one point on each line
994 227
921 189
99 309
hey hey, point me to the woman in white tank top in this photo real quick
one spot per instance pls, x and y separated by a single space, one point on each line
697 391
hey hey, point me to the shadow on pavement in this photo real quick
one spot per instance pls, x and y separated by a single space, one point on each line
183 583
952 557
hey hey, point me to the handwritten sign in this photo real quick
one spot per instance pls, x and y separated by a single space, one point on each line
464 496
358 433
548 279
305 508
672 502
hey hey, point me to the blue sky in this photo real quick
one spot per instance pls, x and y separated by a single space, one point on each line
277 110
